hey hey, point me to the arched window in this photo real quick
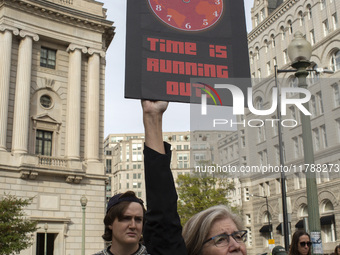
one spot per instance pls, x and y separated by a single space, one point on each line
309 12
259 103
283 32
335 61
266 45
302 18
290 27
273 40
303 211
327 207
327 221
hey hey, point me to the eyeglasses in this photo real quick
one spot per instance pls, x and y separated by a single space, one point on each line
223 240
303 244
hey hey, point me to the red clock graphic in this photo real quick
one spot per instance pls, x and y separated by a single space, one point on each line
188 15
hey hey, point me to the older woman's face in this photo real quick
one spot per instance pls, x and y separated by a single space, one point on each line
303 248
226 226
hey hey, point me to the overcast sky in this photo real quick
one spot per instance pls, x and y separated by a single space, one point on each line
124 115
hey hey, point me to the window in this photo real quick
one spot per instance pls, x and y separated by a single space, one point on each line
316 135
274 61
182 160
137 152
313 106
285 56
257 53
336 93
273 40
292 112
320 102
49 243
108 165
259 73
335 21
328 228
323 4
283 33
290 27
267 186
43 143
324 136
278 186
312 37
296 147
309 12
262 14
335 61
46 101
261 189
325 27
268 68
178 147
47 58
302 19
257 20
314 76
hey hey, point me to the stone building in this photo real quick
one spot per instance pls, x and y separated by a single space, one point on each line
124 157
52 72
274 23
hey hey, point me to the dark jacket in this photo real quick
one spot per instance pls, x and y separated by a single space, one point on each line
162 230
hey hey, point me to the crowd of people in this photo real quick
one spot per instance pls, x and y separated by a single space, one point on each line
132 230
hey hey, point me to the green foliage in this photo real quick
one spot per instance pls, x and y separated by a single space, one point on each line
15 229
199 192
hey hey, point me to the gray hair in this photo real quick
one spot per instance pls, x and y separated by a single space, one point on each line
196 230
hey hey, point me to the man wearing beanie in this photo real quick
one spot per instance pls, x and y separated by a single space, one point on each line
123 225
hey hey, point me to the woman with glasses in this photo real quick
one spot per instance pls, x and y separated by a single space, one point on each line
215 231
300 243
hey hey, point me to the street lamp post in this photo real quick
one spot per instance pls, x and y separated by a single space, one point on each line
300 51
83 202
269 223
45 240
283 175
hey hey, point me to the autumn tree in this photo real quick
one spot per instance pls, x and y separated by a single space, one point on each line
197 192
15 228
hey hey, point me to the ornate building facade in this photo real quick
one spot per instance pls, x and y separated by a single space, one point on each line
52 72
274 24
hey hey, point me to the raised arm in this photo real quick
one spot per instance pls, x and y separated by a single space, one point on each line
162 229
152 119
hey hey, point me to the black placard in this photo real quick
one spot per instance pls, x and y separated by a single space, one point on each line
170 41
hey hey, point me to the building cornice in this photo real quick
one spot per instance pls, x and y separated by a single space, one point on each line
66 15
272 18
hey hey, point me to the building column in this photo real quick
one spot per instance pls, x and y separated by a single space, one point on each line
93 105
5 72
74 101
22 93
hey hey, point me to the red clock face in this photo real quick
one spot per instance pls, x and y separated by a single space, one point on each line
188 15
